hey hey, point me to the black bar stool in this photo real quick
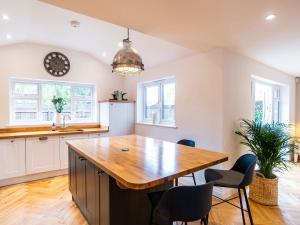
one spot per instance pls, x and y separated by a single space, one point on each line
182 203
239 176
189 143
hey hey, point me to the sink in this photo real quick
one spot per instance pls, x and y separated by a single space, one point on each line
70 130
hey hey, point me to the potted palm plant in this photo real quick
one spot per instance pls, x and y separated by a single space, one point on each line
59 104
271 143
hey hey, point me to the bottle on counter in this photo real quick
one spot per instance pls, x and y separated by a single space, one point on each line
53 127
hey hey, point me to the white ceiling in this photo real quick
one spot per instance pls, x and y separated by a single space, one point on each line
38 22
204 24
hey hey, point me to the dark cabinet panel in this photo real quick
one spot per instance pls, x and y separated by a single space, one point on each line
91 178
72 175
102 201
80 182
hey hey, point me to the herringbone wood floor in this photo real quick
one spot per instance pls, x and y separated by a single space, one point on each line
48 202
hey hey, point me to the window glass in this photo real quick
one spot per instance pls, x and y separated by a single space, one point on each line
83 109
82 91
32 101
25 109
152 101
23 89
168 102
159 101
266 103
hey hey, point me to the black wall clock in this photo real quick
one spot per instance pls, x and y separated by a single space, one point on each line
57 64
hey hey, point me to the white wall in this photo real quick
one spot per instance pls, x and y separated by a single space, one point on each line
26 60
237 99
213 92
198 99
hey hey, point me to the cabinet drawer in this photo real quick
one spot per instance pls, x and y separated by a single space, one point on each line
42 154
12 158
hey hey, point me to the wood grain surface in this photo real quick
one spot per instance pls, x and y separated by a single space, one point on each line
140 162
25 132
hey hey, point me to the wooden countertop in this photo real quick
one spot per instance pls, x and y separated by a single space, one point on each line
148 163
45 131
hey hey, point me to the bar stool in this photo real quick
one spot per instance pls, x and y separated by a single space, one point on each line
189 143
182 203
239 176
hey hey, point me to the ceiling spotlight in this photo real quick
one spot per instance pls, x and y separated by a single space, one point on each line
75 23
5 17
8 36
104 54
270 17
120 44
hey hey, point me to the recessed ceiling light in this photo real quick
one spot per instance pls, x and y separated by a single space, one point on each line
75 23
8 36
104 54
120 44
270 17
5 17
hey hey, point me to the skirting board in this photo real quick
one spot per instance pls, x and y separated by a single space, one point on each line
27 178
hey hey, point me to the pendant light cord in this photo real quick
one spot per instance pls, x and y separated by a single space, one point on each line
127 33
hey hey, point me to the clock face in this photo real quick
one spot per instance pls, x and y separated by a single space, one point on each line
57 64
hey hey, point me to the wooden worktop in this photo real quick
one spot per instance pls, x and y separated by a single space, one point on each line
27 132
148 163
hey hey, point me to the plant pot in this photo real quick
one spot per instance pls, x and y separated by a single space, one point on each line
264 190
58 119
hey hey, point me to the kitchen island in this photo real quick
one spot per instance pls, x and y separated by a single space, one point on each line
109 177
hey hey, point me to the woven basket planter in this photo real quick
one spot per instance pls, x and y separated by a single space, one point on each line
263 190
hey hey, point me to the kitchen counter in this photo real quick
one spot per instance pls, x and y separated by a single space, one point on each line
110 177
45 131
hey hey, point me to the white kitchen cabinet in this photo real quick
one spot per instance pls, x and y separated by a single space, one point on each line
118 116
63 148
12 158
42 154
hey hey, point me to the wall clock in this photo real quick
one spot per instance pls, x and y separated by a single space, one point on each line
57 64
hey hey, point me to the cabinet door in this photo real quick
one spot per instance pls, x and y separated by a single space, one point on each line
72 172
80 182
42 154
130 118
117 119
12 158
91 199
63 148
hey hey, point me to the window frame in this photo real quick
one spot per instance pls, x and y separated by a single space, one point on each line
160 83
275 88
38 97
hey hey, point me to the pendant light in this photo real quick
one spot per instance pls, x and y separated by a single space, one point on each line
127 61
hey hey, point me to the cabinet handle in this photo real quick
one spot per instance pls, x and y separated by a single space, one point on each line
81 158
43 138
100 172
12 141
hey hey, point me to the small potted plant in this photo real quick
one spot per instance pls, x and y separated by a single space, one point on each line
271 143
59 104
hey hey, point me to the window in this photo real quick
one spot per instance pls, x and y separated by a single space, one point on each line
159 101
266 102
31 101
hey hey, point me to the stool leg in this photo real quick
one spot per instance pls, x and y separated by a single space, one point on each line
241 204
194 179
248 206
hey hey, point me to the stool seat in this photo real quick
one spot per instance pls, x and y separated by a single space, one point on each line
224 178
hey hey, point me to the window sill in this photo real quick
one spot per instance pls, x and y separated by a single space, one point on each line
158 125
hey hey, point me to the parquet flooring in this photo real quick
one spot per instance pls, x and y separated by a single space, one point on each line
48 202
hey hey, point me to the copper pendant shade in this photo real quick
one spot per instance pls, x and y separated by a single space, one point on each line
127 61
